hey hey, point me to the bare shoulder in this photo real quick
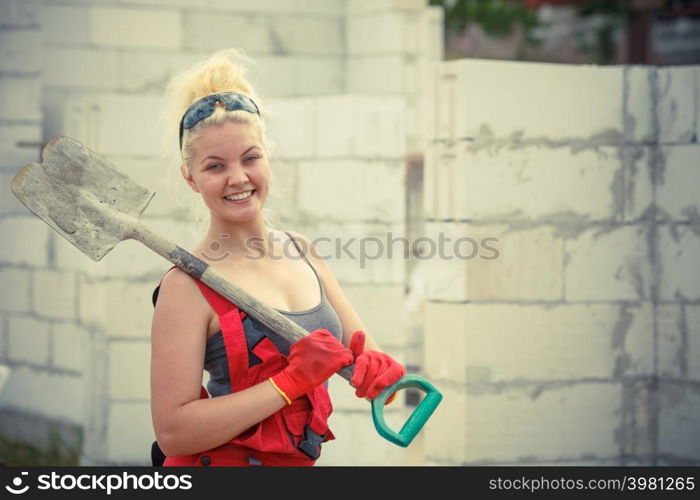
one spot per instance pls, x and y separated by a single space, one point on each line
179 292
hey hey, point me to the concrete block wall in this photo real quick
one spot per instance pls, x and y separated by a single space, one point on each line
95 70
561 319
391 49
344 177
42 341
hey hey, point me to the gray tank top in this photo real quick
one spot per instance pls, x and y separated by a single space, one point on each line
320 316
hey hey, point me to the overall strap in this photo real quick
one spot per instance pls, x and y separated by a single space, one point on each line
233 333
299 249
217 302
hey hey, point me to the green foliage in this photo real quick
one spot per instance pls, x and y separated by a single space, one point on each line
496 17
609 16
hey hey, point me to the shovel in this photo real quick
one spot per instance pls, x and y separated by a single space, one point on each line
93 205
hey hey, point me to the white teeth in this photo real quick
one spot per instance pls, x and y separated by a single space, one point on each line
240 196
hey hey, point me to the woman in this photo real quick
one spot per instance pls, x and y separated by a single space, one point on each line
269 404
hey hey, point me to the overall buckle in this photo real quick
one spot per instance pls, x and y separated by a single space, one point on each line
311 445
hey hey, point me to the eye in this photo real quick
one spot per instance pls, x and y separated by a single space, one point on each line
252 158
214 166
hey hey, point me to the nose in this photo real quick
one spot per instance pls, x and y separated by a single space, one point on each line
237 175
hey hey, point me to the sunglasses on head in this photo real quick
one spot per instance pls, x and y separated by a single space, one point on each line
204 107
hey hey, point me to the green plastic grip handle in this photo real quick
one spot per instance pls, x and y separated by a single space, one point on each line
416 420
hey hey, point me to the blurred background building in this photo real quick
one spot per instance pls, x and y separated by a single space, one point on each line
658 32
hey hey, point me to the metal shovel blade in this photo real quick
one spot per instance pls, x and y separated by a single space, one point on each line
71 187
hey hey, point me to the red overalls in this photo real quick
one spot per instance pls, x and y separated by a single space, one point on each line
293 435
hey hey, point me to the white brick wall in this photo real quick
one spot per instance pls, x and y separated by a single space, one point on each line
291 34
483 344
54 395
28 340
679 250
692 320
608 264
678 429
18 13
570 296
341 248
638 190
387 324
677 88
69 343
24 241
675 195
122 27
383 74
105 123
130 433
291 136
13 154
383 32
513 426
128 366
54 294
20 51
679 341
314 75
20 99
596 101
493 262
522 175
353 428
80 68
65 25
9 204
375 6
310 7
14 293
149 70
638 95
445 434
368 190
360 126
102 305
213 30
282 199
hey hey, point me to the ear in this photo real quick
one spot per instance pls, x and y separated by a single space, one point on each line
188 177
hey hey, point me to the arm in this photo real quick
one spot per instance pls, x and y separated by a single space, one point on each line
183 423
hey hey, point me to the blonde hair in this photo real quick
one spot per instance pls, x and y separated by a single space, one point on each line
223 71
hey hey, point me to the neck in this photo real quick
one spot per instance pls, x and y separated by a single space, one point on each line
226 240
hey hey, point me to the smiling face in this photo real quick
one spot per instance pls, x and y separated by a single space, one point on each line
230 169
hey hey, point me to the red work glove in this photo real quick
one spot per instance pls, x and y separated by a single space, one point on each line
374 370
312 360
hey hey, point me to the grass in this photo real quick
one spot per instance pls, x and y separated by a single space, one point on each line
20 454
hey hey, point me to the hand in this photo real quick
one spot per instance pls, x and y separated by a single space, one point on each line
374 370
312 360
